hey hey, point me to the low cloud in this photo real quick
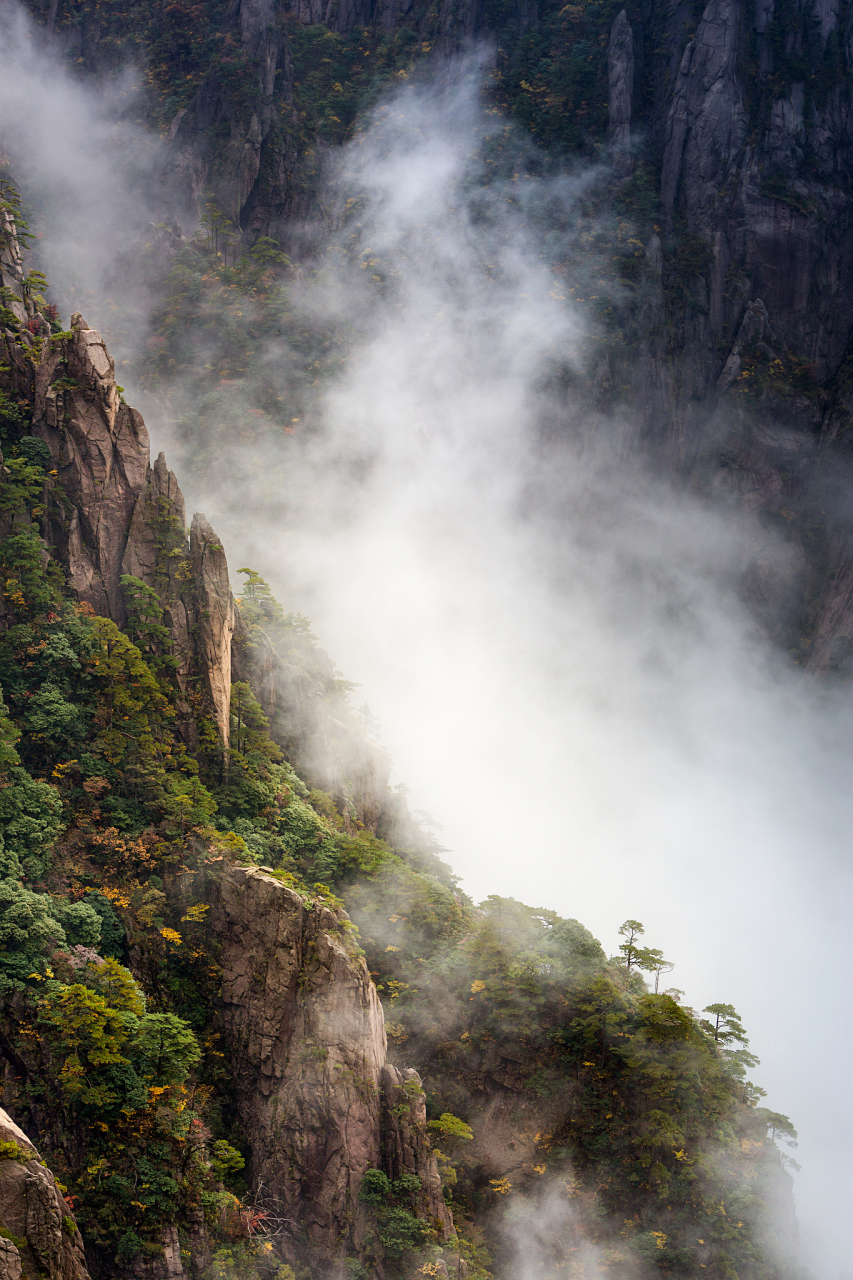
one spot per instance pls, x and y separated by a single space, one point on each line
553 639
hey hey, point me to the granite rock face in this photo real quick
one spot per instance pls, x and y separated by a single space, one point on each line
620 78
214 619
111 513
305 1036
45 1240
99 449
404 1146
747 113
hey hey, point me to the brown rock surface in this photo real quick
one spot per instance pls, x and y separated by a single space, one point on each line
405 1148
112 513
32 1210
305 1036
214 619
99 448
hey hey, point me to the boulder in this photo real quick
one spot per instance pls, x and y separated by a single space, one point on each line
41 1234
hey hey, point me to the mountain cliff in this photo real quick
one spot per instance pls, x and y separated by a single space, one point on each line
190 1019
212 906
725 326
39 1234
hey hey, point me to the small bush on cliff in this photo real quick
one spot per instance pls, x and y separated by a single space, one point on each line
400 1231
375 1187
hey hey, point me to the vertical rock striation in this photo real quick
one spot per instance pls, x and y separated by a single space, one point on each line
99 449
42 1236
305 1036
620 79
111 513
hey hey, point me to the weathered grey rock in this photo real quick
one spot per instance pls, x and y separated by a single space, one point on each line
12 268
214 619
157 552
10 1261
305 1037
229 149
707 119
620 79
754 328
32 1209
99 447
167 1265
405 1146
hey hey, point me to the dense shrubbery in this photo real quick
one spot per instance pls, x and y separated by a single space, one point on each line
621 1089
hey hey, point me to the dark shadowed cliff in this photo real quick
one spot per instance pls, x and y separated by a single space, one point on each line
722 330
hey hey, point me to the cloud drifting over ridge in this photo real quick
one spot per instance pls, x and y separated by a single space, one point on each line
83 162
551 638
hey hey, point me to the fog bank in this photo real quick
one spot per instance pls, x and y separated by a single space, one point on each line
551 638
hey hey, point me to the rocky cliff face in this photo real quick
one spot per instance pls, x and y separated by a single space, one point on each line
111 513
39 1234
99 448
746 312
301 1019
316 1100
737 346
231 142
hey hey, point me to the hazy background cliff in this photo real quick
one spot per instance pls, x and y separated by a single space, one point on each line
566 643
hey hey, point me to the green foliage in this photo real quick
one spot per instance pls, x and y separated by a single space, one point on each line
30 586
14 421
727 1026
224 1159
398 1228
10 204
166 1047
20 1242
32 924
451 1128
30 822
113 941
400 1231
249 726
662 1020
553 77
692 256
12 1151
21 486
338 75
145 616
129 1246
375 1188
29 932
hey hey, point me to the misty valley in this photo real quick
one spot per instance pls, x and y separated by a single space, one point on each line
507 346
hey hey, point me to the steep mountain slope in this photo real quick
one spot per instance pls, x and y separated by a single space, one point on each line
189 1021
721 308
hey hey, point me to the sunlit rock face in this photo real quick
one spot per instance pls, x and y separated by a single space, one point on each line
111 513
305 1038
